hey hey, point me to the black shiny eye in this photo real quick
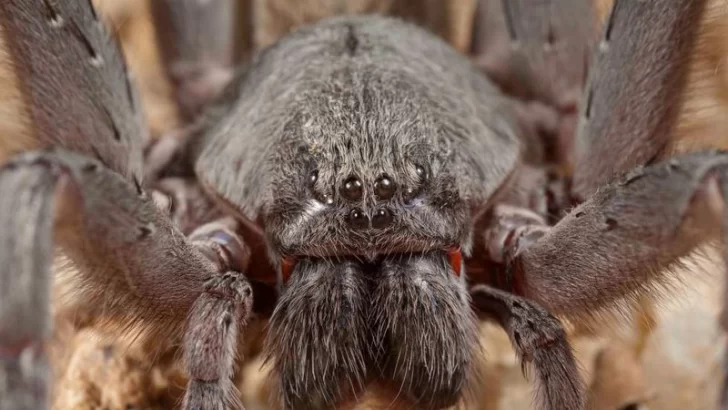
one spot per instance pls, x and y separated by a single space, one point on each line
382 218
324 197
352 189
411 192
313 177
384 187
421 173
358 219
327 198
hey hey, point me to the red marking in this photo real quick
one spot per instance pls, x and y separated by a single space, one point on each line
15 350
287 265
456 260
518 282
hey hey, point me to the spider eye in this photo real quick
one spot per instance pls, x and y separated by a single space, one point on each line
321 195
415 189
358 219
382 218
384 187
352 189
313 177
421 173
410 193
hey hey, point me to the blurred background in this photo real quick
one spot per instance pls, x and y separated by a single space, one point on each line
668 356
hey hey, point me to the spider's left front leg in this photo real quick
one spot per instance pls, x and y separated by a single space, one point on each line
622 242
538 338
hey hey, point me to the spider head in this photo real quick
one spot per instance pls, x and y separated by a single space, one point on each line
366 210
367 218
363 170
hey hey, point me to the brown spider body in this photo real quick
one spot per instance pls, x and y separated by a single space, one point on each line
360 180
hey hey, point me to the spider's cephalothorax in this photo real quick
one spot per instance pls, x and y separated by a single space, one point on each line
365 154
370 187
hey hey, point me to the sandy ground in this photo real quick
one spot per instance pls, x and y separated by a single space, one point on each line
675 366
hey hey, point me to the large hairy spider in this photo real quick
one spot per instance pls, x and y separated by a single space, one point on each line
367 185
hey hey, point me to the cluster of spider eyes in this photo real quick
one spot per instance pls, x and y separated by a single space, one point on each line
385 188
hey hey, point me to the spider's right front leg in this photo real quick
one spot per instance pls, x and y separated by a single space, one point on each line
132 264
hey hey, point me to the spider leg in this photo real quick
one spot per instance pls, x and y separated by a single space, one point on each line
622 242
128 261
217 318
133 265
600 103
65 84
540 340
634 90
199 46
210 343
25 257
535 51
121 245
538 52
69 86
202 44
186 203
618 243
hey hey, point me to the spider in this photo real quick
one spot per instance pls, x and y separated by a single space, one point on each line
360 183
